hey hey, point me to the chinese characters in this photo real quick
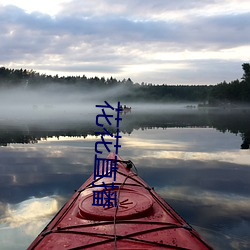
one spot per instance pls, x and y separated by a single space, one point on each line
103 167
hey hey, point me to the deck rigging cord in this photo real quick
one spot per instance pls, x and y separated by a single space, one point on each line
129 165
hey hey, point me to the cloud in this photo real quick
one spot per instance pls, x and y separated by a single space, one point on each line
115 38
144 10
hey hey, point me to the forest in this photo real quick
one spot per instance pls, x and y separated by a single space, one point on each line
224 93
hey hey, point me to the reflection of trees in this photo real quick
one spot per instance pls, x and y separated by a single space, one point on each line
246 141
16 137
234 121
33 134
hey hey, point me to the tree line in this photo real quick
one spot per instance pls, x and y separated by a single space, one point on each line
236 91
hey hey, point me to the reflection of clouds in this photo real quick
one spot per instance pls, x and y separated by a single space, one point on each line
151 139
70 139
234 156
25 220
203 144
64 157
228 203
150 144
2 209
185 139
222 219
228 239
207 176
29 212
45 168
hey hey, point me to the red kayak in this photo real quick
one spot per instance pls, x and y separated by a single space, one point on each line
141 219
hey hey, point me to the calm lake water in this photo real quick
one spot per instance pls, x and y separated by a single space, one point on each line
197 160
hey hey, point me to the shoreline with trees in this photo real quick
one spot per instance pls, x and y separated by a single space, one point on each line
236 92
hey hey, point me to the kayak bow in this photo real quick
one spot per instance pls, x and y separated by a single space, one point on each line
141 220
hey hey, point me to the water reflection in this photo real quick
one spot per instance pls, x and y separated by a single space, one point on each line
233 121
31 210
19 222
193 161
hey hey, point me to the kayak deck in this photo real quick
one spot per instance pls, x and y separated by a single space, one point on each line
142 219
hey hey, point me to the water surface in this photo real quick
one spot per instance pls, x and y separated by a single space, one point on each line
193 158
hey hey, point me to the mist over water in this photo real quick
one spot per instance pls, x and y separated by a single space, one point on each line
44 103
61 107
60 102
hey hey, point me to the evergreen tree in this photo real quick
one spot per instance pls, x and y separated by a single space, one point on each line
246 69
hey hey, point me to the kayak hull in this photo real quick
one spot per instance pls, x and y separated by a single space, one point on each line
142 219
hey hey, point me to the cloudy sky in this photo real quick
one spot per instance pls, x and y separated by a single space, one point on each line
154 41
